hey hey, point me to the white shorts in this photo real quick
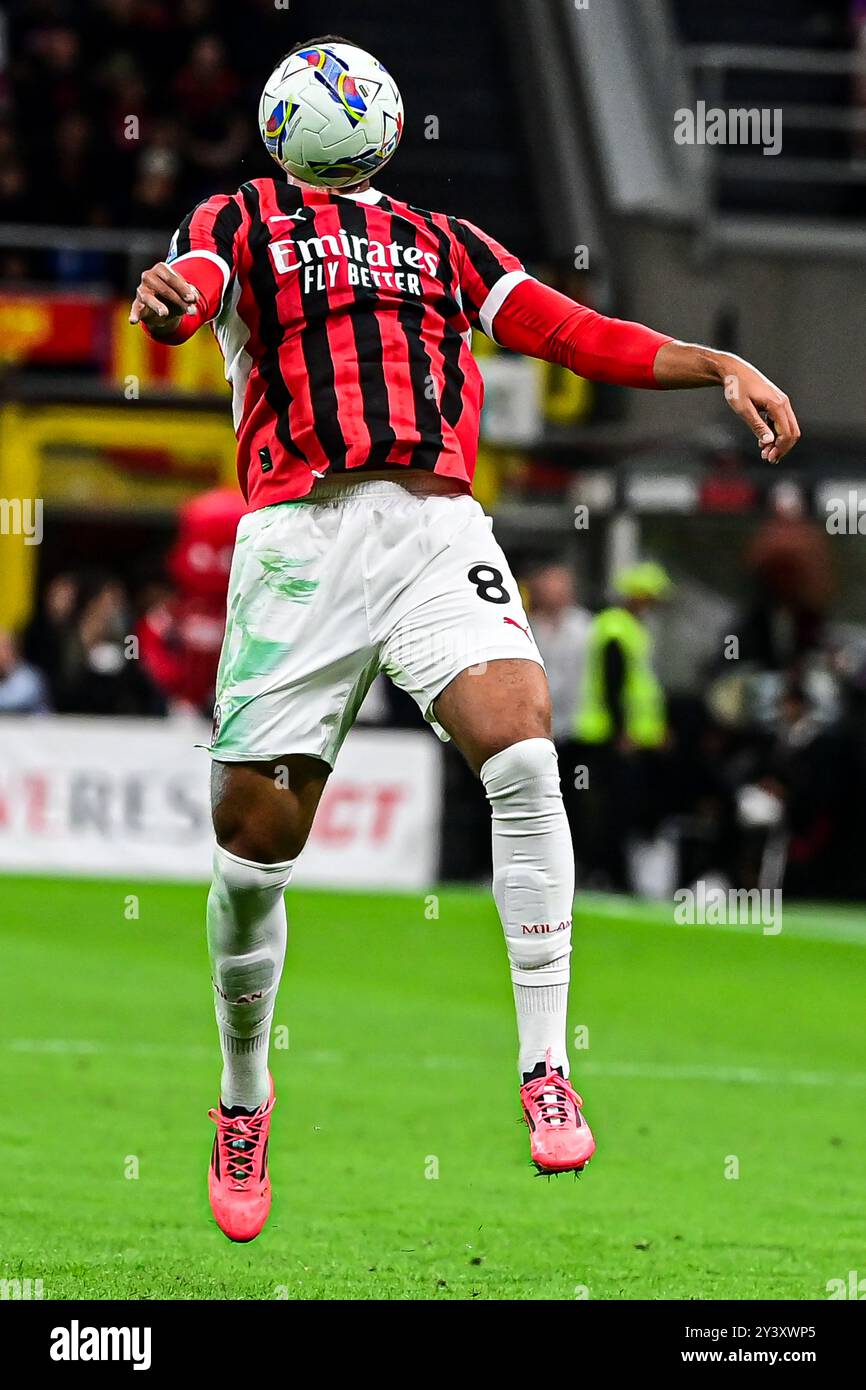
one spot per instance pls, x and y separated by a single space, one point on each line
324 595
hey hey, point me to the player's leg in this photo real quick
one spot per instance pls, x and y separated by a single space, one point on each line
447 612
498 714
499 717
296 661
456 637
262 815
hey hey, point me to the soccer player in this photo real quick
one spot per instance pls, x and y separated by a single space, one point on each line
344 318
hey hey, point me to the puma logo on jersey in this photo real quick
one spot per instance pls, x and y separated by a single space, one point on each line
523 629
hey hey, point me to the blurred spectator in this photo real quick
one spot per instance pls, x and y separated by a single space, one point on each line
22 687
816 770
181 633
623 702
96 667
216 133
790 562
75 173
205 84
154 191
15 196
131 109
47 633
620 728
560 627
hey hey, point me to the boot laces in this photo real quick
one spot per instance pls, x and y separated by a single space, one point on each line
554 1097
239 1137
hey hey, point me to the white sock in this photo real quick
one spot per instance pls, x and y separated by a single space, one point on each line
541 1020
533 884
246 934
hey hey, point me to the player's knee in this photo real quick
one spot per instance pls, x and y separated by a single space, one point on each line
233 872
521 764
260 839
263 846
523 788
534 894
531 721
260 814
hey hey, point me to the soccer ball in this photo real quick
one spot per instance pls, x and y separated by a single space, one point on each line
331 115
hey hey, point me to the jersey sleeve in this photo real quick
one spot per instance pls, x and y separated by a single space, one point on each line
205 250
209 233
487 274
538 321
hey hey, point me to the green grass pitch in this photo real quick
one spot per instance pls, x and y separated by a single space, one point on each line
400 1169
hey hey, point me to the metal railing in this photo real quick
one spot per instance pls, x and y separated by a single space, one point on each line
831 180
130 248
712 66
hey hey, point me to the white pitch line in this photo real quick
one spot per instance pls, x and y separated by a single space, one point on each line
85 1047
638 1071
749 1076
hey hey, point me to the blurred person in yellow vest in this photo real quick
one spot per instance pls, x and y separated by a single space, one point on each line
620 729
623 699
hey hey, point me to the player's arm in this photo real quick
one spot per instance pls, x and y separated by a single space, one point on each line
177 296
540 322
526 316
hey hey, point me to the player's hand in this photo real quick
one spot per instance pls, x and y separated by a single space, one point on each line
765 409
162 298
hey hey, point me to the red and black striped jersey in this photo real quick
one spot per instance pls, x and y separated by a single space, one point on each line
345 324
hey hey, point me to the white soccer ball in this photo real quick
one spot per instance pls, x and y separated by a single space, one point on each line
331 115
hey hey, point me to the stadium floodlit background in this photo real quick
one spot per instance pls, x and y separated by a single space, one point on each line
700 1047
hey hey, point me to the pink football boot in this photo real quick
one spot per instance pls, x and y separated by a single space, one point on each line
238 1182
560 1139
